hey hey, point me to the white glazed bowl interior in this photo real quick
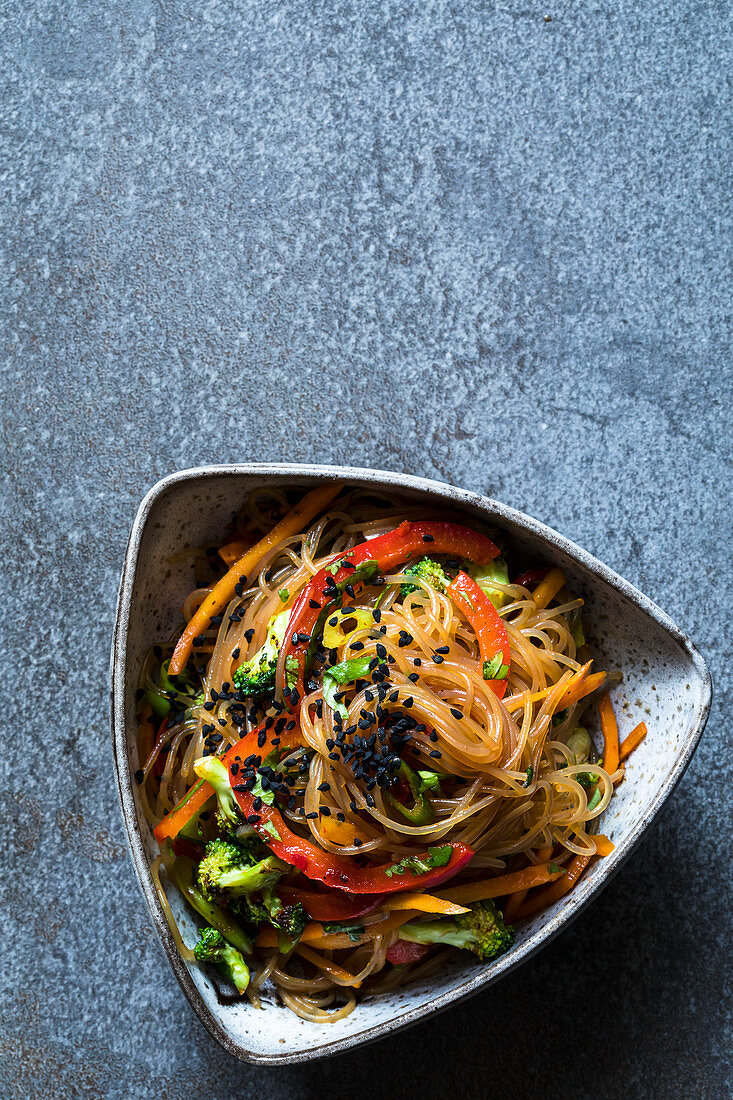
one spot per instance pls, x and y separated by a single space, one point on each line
665 683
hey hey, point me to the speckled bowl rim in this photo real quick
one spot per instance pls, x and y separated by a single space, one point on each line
576 901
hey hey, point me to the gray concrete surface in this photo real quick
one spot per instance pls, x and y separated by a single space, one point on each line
488 243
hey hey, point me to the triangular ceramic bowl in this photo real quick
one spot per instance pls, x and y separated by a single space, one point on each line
666 683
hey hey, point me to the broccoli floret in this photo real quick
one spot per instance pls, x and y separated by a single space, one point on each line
481 931
486 576
215 772
213 948
256 677
428 570
267 908
290 919
181 873
229 870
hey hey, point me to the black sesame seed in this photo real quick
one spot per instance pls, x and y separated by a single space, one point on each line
456 713
139 775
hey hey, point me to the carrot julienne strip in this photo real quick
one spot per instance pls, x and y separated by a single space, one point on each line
513 905
632 741
609 728
502 884
555 890
223 591
233 551
315 935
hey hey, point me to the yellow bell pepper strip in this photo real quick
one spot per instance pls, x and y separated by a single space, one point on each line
297 518
493 640
547 589
423 903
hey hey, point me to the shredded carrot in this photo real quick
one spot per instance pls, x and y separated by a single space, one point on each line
548 588
315 935
192 801
501 885
580 688
222 592
604 846
515 900
232 551
577 688
632 741
556 890
198 795
513 905
609 728
424 903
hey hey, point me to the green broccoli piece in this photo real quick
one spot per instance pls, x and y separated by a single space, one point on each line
268 908
229 871
290 919
213 948
256 677
181 874
214 771
428 570
481 931
486 576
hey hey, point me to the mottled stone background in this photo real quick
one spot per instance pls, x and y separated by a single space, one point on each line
485 242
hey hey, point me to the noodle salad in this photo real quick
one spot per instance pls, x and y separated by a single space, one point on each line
365 751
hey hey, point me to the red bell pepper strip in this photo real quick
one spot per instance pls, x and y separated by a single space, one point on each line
194 799
486 621
385 551
332 905
403 952
340 873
